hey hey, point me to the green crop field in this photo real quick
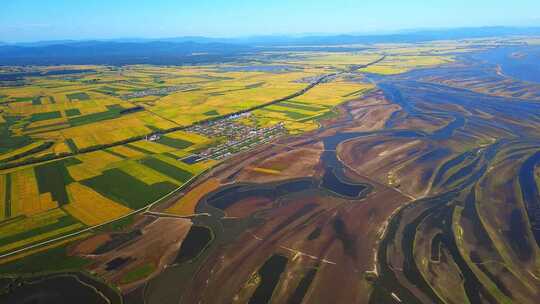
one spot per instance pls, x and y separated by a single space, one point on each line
167 169
138 273
122 187
111 113
174 142
78 96
45 116
73 112
52 178
211 113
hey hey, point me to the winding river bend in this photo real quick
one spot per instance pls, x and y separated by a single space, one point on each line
482 210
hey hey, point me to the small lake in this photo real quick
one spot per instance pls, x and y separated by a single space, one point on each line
269 273
197 239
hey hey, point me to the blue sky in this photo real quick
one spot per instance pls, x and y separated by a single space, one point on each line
32 20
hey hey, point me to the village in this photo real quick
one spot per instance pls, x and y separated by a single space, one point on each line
236 137
159 91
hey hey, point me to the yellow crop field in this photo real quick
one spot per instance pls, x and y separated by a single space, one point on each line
92 208
301 114
98 159
18 226
334 93
21 92
340 60
185 206
191 137
61 147
92 164
27 108
83 171
25 197
230 96
301 127
404 63
151 146
195 168
3 196
280 108
152 120
265 170
430 48
126 151
36 130
104 132
181 153
46 202
265 119
145 174
35 228
201 166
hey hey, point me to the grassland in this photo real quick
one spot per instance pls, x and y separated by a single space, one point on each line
139 273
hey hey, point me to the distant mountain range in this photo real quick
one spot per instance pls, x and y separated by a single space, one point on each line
118 53
192 50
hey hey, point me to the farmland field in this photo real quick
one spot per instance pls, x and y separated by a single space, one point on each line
376 173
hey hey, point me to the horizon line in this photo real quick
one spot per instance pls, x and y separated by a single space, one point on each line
284 35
